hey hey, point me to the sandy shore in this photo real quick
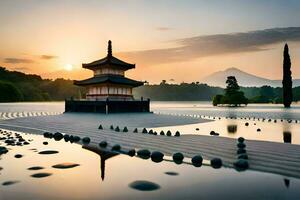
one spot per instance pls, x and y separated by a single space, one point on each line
264 156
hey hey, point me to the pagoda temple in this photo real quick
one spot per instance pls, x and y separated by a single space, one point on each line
108 90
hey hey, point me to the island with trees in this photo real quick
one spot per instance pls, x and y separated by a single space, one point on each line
233 96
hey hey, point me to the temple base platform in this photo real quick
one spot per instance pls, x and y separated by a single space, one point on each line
107 106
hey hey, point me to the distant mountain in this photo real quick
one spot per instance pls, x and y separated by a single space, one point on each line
243 78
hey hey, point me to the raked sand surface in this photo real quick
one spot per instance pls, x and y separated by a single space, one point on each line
264 156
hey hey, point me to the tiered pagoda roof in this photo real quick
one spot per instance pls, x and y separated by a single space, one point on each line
108 60
116 79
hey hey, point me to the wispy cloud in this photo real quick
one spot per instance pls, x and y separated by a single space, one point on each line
47 57
163 28
210 45
18 60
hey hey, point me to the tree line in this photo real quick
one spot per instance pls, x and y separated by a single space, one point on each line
17 86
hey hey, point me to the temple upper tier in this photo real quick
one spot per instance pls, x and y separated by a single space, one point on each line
109 81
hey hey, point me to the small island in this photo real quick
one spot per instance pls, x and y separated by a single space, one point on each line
233 97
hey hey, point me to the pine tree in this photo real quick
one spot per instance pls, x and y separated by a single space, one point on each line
287 78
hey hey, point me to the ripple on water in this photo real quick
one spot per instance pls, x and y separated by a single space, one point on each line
35 168
144 185
172 173
48 152
9 183
41 175
65 165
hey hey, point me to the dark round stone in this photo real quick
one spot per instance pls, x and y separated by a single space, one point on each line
100 127
131 152
216 163
178 157
71 138
103 144
116 147
197 160
117 129
45 143
111 127
47 135
150 132
144 153
58 136
3 150
76 138
135 130
86 140
240 151
241 145
162 133
241 164
157 156
66 138
125 129
246 124
258 130
241 139
177 134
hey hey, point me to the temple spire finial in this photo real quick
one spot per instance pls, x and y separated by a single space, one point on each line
109 49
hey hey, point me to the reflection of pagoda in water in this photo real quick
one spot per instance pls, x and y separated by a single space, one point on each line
104 155
108 91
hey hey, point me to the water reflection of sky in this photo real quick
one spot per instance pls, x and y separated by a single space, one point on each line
269 131
85 182
274 111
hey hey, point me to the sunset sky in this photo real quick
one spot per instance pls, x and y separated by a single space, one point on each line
182 40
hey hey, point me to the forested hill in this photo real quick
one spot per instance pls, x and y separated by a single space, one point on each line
17 86
203 92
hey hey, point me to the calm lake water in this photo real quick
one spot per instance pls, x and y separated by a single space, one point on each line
98 176
274 111
268 131
83 174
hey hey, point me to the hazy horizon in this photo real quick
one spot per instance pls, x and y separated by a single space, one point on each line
182 40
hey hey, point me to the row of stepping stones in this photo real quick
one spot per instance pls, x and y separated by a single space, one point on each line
68 138
157 156
242 156
151 132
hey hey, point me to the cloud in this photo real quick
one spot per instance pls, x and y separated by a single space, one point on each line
163 28
47 57
210 45
17 60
